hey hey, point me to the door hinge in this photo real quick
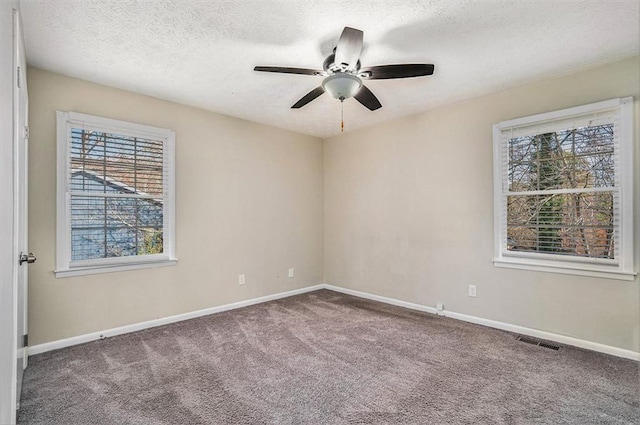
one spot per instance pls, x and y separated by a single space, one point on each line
25 340
26 132
18 76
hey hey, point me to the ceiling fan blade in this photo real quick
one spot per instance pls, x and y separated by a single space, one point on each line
308 97
349 47
286 70
367 98
384 72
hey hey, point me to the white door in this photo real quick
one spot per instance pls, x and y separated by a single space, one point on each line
23 257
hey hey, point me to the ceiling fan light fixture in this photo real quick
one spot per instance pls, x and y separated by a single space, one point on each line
342 86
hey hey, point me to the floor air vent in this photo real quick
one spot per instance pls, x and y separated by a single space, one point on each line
537 342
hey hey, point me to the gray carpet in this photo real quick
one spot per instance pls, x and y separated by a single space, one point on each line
326 358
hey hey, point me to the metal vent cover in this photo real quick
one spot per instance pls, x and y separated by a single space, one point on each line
534 341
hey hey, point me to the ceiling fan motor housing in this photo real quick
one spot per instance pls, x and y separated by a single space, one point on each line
330 65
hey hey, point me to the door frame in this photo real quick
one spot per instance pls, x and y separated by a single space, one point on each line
21 190
8 247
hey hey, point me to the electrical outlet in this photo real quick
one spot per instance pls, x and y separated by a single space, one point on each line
291 272
472 290
440 306
241 280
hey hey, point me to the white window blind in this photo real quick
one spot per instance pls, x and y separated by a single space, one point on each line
115 194
563 189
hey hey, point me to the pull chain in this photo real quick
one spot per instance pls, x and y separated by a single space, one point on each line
341 115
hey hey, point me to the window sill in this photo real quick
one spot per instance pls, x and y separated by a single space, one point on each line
81 271
564 268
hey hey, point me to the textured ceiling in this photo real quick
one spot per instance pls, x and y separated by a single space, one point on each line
203 53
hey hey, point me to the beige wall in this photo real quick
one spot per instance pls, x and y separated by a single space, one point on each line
249 200
408 215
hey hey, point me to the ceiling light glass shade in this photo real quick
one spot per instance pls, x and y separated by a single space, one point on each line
341 86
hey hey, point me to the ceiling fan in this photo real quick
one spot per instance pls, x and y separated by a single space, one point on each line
344 74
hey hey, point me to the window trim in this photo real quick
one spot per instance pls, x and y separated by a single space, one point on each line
65 267
622 268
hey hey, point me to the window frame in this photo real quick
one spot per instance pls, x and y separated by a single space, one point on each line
65 267
621 268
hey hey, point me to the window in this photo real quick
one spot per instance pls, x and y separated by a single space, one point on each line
563 191
115 195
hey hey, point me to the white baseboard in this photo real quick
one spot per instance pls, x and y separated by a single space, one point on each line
81 339
563 339
382 299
